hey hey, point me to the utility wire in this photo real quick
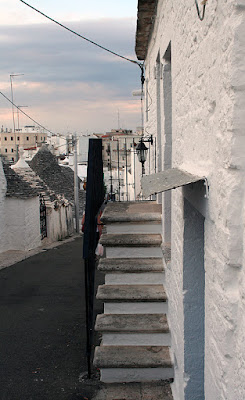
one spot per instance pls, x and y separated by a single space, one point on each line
83 37
28 116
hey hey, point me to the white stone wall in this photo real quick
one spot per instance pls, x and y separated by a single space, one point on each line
59 223
208 136
22 225
3 188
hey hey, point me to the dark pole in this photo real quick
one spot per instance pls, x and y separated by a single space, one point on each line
94 200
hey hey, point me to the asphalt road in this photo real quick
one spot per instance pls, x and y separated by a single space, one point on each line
42 327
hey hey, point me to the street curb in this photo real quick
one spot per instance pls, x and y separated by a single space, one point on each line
11 257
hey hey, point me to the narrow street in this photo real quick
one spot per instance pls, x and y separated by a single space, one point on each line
42 328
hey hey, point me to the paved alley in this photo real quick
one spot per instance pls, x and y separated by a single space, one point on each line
42 328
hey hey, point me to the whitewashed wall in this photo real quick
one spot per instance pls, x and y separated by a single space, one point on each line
22 225
3 188
59 223
208 135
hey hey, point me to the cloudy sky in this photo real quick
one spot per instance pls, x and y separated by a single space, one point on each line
69 84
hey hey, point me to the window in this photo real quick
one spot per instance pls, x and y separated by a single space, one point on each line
27 137
6 150
44 138
12 138
41 138
18 138
12 150
12 158
5 138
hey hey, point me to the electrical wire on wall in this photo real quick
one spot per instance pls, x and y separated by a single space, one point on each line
204 2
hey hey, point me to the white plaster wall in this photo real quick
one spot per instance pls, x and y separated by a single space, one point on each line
59 223
3 188
22 223
208 103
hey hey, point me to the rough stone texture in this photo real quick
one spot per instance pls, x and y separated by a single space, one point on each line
59 179
132 357
166 180
127 240
146 9
135 391
208 102
131 212
16 186
131 293
153 323
130 265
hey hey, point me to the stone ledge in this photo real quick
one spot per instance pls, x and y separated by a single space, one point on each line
160 390
145 211
131 293
124 265
132 357
131 240
133 323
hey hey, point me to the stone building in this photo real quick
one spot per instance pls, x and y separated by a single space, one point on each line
60 179
175 279
29 138
19 212
195 77
58 210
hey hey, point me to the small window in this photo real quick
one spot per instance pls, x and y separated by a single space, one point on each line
12 138
5 138
12 158
12 150
44 138
6 150
41 138
27 137
18 138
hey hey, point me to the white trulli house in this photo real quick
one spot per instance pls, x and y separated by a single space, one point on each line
195 107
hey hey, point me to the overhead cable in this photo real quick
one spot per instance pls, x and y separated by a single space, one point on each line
28 116
83 37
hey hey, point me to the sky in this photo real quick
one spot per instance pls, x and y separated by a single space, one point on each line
68 84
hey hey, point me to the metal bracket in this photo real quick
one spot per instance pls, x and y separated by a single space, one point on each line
206 188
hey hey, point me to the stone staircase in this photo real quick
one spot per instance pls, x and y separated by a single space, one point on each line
135 334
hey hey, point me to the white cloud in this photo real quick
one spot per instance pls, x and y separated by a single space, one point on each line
68 82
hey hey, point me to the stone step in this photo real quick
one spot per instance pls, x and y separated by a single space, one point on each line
133 329
132 323
130 212
131 265
131 293
133 363
135 391
131 240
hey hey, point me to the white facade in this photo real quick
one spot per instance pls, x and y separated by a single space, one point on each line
22 224
195 76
